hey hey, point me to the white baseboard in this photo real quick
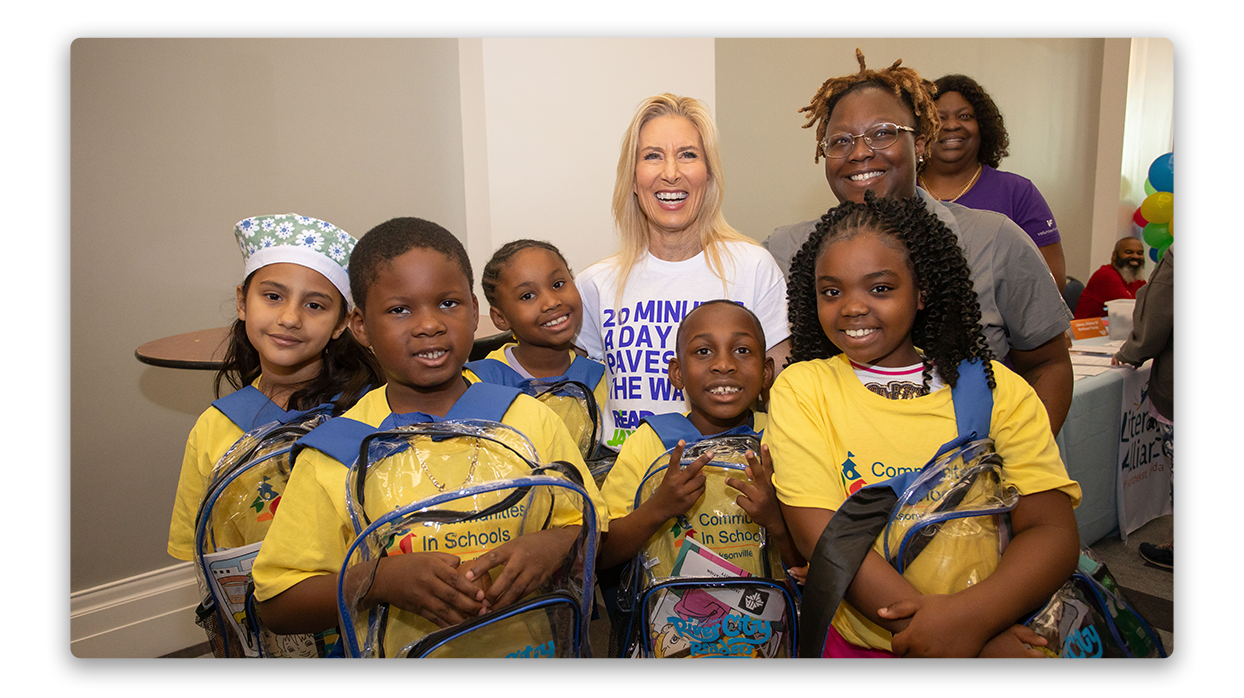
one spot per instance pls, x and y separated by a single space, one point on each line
149 615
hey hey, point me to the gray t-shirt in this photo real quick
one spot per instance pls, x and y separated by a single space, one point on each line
1020 303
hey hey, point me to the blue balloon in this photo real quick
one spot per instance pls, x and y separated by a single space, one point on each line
1162 173
1153 253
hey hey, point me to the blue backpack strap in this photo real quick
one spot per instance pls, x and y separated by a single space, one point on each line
494 371
585 371
484 401
341 437
248 408
972 399
973 404
338 438
672 427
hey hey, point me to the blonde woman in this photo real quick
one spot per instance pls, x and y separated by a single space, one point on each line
677 252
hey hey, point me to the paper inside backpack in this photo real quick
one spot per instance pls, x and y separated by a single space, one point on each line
697 560
230 572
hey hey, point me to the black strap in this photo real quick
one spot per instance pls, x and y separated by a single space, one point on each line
839 553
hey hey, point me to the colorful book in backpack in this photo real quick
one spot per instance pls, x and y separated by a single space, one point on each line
708 584
237 508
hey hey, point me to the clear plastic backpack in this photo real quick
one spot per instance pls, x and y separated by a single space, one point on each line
234 516
709 583
1090 617
570 396
947 524
464 486
575 404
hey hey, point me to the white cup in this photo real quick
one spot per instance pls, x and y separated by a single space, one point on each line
1119 311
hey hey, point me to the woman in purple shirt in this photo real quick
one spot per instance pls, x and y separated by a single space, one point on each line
963 163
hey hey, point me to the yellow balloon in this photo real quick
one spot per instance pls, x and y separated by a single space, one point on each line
1158 207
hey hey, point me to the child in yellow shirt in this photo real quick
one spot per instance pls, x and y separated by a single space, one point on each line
531 292
721 367
289 351
861 403
416 310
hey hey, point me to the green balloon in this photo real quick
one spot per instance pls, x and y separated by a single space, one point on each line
1149 190
1158 235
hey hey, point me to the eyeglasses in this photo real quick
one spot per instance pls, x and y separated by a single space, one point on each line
877 137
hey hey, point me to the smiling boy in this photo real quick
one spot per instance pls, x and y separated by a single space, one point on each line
412 282
721 367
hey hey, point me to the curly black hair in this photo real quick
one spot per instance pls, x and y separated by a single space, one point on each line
492 270
394 238
994 141
947 330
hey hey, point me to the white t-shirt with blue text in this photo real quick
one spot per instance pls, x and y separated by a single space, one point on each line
635 339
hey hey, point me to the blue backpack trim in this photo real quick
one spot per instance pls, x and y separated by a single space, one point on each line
340 438
498 372
249 408
672 427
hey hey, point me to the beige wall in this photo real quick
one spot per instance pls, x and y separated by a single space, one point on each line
554 114
172 142
1047 89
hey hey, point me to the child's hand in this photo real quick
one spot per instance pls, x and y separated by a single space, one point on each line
758 497
528 561
428 584
681 487
1011 643
941 625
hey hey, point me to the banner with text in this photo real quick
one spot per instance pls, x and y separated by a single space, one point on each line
1144 482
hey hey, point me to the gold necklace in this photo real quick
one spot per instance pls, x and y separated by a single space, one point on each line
961 191
470 473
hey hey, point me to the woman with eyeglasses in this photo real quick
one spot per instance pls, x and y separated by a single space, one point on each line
963 162
874 128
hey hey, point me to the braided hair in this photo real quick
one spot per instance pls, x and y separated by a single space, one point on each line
994 141
491 275
947 330
904 83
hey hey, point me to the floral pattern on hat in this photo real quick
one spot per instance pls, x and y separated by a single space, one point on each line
290 237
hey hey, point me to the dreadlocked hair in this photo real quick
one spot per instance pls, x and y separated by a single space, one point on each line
904 83
994 141
492 270
947 330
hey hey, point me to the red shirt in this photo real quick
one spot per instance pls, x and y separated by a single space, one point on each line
1106 284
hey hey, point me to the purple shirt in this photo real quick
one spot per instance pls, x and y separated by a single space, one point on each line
1016 198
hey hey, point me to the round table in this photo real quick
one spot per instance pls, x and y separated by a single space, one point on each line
202 349
205 349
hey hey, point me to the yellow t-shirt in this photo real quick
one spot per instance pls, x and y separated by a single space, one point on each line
829 436
212 436
716 521
313 530
569 410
